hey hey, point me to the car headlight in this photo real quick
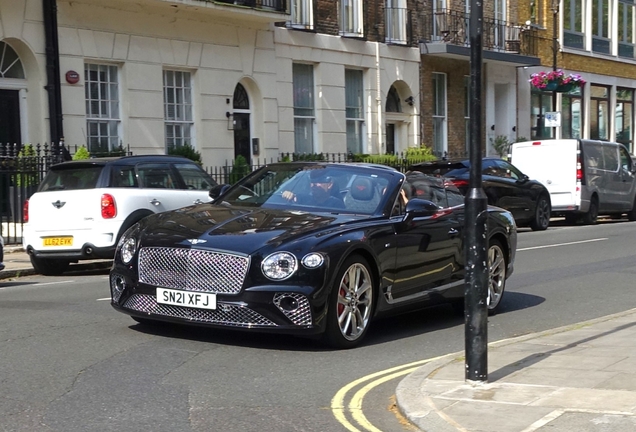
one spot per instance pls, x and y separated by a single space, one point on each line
128 249
127 244
279 266
313 260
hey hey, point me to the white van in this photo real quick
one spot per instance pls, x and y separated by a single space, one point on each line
585 177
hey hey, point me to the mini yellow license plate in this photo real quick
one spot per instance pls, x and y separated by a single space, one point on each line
58 241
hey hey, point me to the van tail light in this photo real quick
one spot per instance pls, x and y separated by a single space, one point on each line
25 211
579 169
109 208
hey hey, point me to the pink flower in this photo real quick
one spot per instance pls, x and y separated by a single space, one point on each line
541 79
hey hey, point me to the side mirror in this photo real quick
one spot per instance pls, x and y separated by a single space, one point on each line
218 190
417 207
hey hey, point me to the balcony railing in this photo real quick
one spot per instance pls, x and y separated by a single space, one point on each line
263 5
452 27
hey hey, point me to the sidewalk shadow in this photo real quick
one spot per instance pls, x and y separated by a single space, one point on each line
537 357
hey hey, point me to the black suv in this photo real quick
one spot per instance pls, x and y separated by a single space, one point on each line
506 187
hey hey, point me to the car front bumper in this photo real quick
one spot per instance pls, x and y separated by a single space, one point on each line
268 308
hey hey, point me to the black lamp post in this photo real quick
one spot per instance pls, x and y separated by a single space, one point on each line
475 246
555 45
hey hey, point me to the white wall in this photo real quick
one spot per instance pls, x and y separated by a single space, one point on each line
144 38
22 28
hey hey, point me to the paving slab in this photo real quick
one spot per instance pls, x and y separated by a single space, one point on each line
575 378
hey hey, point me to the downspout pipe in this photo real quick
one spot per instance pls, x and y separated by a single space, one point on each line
53 87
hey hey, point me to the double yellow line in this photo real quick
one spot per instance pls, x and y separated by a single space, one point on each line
353 409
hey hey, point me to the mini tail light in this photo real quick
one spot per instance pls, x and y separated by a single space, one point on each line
536 143
25 212
109 208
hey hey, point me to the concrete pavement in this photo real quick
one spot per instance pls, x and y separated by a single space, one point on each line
577 378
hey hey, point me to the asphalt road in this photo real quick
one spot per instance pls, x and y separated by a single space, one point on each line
71 363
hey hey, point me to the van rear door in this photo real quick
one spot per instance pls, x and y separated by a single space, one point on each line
553 163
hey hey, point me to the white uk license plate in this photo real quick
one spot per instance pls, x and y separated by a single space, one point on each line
186 298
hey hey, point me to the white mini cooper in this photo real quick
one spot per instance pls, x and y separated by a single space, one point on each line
82 208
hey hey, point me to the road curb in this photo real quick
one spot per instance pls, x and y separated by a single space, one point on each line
16 273
413 402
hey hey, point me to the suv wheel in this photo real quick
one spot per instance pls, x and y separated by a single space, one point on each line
49 267
541 218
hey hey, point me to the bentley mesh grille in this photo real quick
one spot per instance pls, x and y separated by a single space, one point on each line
301 315
192 269
225 314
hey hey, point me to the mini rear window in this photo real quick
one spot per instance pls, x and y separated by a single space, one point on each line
72 178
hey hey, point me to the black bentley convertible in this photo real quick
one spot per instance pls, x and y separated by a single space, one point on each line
306 248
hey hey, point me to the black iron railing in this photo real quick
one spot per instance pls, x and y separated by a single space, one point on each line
265 5
452 27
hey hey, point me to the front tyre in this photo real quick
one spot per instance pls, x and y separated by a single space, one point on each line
350 304
541 219
496 276
49 266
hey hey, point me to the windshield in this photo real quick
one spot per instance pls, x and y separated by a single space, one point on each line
334 188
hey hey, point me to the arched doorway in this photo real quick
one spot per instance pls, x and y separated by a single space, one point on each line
393 108
242 134
12 81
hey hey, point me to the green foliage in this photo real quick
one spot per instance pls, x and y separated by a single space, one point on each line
419 154
500 144
240 169
81 154
27 151
521 139
27 166
308 157
388 159
285 158
412 155
188 151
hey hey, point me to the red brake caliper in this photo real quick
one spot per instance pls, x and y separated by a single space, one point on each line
343 294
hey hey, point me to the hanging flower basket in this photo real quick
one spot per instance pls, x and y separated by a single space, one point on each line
556 81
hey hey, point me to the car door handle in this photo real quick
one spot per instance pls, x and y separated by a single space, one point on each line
453 232
155 202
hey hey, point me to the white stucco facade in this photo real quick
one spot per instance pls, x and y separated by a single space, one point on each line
220 48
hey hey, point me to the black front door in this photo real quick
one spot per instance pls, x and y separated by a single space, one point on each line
242 136
390 138
10 117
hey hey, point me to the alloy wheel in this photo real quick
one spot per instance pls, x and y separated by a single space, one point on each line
544 213
496 275
355 298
